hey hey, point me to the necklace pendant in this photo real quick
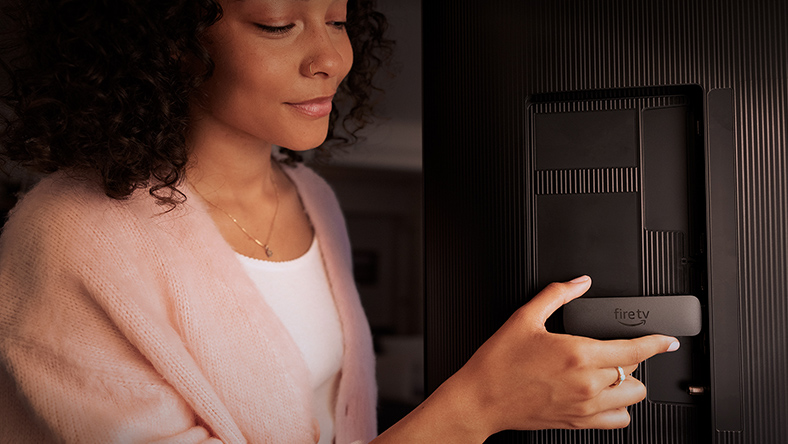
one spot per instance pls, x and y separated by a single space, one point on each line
268 251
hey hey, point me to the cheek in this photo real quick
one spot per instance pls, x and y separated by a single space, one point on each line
248 78
230 66
346 50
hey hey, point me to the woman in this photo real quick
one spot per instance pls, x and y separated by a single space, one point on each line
170 281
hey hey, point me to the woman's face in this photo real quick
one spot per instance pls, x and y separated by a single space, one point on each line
278 65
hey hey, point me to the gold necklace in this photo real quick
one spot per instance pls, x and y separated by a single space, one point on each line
262 245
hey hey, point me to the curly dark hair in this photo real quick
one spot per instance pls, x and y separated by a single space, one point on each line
100 87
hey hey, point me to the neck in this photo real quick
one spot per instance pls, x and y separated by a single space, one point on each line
227 166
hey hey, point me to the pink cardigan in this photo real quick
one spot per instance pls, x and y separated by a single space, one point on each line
121 324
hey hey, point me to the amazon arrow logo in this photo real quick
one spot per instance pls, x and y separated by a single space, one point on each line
631 318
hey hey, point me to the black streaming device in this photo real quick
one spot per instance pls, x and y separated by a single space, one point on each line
630 317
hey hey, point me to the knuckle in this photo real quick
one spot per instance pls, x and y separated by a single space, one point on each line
575 421
586 390
557 288
618 420
576 357
636 354
640 391
572 361
639 355
584 410
520 315
554 286
625 420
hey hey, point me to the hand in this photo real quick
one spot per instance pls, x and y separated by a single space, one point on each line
526 378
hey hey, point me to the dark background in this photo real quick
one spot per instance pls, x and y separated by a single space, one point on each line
483 64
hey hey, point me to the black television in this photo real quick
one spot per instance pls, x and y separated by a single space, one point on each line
663 124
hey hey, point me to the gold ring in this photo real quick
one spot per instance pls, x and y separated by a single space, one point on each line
621 377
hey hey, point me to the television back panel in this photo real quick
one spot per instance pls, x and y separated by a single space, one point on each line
641 142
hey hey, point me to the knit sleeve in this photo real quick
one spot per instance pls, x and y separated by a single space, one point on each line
67 372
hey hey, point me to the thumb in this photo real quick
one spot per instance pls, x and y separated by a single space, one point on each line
544 304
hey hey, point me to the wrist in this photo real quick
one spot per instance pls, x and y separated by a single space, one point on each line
450 414
463 402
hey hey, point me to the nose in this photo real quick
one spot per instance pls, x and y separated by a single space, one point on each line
316 430
325 56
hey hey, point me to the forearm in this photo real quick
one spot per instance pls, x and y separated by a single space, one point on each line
526 378
450 414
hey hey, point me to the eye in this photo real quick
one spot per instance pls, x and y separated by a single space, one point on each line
275 29
338 25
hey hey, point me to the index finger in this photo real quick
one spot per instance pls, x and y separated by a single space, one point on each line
544 304
624 352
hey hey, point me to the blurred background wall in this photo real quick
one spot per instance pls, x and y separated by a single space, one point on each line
379 185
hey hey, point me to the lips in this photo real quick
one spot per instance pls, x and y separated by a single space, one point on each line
319 107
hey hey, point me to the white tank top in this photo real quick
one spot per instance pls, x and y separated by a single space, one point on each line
299 293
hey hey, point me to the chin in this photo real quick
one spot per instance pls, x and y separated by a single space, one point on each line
306 143
304 146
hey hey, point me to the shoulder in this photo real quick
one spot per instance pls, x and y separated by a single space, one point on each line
51 241
64 215
57 204
61 202
56 194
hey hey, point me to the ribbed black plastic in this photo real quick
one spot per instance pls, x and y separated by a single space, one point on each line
482 63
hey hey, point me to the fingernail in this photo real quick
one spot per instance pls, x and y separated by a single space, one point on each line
674 346
579 280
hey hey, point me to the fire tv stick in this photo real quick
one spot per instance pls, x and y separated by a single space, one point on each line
630 317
